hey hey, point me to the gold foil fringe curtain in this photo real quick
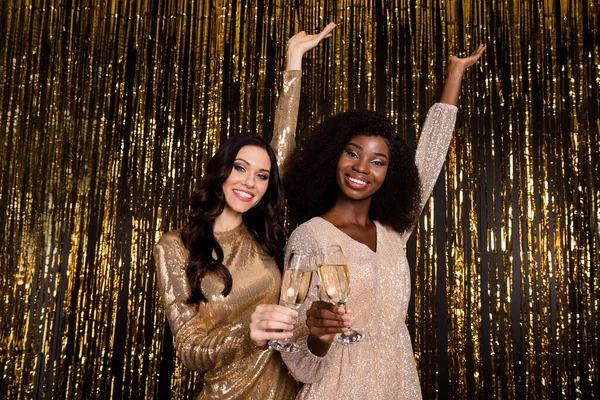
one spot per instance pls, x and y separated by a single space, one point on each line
109 110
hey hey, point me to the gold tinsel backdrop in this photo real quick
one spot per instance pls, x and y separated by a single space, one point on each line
109 109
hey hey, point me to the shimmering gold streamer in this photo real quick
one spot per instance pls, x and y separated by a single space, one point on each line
108 111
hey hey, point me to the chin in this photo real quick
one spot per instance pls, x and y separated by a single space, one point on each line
354 195
245 208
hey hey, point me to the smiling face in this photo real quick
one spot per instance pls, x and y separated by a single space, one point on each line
248 181
362 167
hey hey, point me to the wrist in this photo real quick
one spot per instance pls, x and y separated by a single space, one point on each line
260 345
318 347
294 61
455 69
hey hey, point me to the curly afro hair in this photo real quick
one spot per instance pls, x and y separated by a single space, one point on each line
310 184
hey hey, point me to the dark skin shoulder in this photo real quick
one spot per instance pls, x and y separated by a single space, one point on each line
365 234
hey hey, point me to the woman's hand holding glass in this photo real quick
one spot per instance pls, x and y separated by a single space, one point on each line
294 289
271 322
325 321
335 281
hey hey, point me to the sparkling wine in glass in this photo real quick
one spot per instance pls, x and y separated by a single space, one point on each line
294 289
335 281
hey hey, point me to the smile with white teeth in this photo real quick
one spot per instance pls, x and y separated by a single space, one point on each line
357 181
245 195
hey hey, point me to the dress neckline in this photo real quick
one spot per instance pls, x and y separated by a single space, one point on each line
350 238
230 233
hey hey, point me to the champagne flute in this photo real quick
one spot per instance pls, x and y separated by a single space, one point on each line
294 289
335 281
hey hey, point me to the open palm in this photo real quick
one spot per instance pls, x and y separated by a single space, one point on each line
466 62
301 42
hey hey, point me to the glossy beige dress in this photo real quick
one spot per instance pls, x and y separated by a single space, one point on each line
382 365
213 336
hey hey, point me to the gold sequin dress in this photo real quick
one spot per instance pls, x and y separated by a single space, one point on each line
213 336
382 365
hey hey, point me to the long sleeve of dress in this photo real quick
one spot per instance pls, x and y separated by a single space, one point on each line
433 145
199 344
286 117
304 365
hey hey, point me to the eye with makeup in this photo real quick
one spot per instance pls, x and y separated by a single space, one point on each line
377 162
239 167
351 153
263 176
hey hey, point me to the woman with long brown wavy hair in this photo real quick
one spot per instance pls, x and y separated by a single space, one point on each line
220 275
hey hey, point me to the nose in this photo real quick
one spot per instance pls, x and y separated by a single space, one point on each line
248 181
361 166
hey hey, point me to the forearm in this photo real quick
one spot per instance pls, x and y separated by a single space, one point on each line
200 350
316 346
294 60
434 141
305 365
452 84
286 117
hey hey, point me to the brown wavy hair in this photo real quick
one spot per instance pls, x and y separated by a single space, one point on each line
208 202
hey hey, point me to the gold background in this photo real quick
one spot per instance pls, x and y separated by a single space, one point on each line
108 111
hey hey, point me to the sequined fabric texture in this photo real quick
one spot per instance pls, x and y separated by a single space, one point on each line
213 336
382 365
286 116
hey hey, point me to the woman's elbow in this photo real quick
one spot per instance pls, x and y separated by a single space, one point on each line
190 359
303 373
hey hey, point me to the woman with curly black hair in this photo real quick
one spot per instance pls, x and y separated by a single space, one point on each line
219 276
359 187
395 203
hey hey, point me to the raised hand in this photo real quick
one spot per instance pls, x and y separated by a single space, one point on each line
466 62
454 73
267 320
300 43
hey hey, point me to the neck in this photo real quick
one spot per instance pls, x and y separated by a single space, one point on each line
227 221
350 212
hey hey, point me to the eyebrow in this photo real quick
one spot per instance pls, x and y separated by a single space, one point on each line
360 148
247 163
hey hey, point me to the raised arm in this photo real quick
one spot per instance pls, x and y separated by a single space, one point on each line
454 73
286 113
438 127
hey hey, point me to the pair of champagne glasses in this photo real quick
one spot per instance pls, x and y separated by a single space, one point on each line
332 269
